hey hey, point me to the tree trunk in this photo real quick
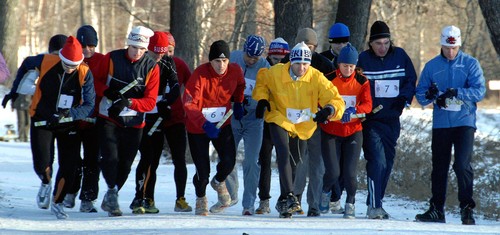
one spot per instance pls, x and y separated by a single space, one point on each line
9 36
491 13
185 34
355 14
290 16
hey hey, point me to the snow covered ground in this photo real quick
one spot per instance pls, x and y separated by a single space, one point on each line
20 215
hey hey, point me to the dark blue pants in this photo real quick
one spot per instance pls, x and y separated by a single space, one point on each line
379 148
462 141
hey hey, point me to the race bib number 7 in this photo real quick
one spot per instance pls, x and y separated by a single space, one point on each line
386 88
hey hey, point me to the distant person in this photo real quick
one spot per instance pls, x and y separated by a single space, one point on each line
4 70
207 99
21 105
392 82
454 82
291 93
338 37
120 121
278 49
245 126
88 174
175 130
341 140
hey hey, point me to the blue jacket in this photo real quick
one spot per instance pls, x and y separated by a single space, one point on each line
392 81
464 73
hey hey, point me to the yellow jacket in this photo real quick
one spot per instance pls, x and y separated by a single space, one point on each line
276 86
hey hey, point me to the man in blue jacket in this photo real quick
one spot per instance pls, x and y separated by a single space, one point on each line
454 82
392 81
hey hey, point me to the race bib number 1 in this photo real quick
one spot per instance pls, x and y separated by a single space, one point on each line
65 101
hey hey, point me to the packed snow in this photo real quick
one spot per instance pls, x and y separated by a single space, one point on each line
19 213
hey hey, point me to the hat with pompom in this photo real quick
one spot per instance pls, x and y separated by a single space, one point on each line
300 54
348 55
71 53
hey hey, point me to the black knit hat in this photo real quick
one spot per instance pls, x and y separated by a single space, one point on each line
57 42
87 35
378 30
218 49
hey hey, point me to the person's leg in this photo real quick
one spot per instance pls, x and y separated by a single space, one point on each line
128 146
68 147
265 156
251 167
441 157
199 146
390 137
316 170
176 139
463 142
351 151
151 149
280 139
232 182
373 149
90 180
42 141
108 146
226 149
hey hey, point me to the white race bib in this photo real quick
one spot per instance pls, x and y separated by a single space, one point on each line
454 105
214 114
298 115
106 103
65 101
350 100
386 88
249 86
128 112
155 110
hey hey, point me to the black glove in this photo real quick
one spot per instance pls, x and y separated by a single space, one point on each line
55 119
163 109
8 97
322 115
118 106
432 92
112 94
449 94
261 105
239 111
399 103
172 96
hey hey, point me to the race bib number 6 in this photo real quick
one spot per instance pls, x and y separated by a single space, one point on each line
214 114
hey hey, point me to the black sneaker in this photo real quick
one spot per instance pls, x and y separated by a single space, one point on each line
292 203
467 216
282 208
313 212
431 215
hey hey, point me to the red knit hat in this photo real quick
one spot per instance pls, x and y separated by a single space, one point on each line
71 53
171 40
158 43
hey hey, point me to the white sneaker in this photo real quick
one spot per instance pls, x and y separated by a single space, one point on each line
349 211
248 211
336 208
87 206
58 210
69 200
218 208
43 196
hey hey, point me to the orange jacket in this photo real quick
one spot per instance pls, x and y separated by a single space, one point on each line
356 92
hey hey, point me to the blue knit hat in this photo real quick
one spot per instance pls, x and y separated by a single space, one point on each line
339 33
254 45
348 55
87 35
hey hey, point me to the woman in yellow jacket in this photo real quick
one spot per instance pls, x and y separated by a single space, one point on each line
291 94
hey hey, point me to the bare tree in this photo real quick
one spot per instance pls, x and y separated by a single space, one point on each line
290 16
186 35
491 13
355 14
8 35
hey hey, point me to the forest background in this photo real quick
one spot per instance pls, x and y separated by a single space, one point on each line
27 25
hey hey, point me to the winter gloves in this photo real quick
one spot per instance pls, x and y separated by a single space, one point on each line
238 111
56 118
449 94
322 115
112 94
347 114
261 105
118 105
8 97
163 109
211 130
432 92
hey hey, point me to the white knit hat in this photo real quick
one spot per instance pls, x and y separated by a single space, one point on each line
139 36
300 54
450 36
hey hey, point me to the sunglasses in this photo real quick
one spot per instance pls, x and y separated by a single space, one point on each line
68 67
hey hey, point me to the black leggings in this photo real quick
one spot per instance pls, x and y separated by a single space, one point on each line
118 145
199 146
265 156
